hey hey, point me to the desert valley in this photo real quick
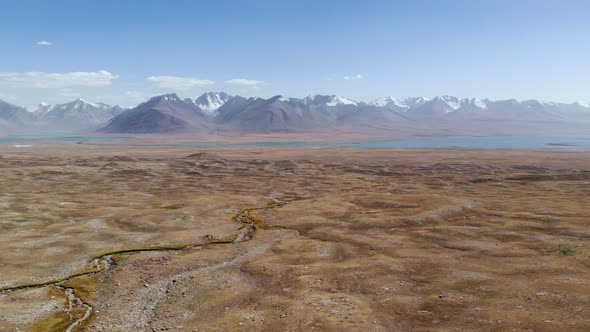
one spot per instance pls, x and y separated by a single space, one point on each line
221 166
111 237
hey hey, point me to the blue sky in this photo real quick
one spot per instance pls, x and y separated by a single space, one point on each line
125 51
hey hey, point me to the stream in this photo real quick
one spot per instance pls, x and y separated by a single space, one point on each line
105 262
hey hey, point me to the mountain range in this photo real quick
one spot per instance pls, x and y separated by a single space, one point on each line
78 115
215 111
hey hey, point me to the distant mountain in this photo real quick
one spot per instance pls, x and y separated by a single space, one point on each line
276 114
331 106
161 114
319 112
438 106
578 110
329 101
283 114
79 114
222 112
40 110
14 116
212 101
390 103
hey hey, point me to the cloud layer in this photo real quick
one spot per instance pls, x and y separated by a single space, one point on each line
245 82
355 77
43 80
178 83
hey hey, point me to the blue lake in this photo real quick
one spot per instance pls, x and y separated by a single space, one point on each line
576 142
466 142
59 137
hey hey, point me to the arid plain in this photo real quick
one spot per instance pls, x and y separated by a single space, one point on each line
109 237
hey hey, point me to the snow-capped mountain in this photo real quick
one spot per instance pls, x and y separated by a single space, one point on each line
12 115
389 102
76 114
398 103
331 106
331 101
415 101
435 107
315 112
474 104
160 114
41 109
220 111
212 101
448 104
276 114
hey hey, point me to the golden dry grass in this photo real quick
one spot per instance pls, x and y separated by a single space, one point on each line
361 240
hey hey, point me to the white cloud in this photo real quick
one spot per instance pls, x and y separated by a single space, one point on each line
44 43
56 80
245 82
178 83
355 77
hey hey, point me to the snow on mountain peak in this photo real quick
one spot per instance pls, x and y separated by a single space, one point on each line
82 103
312 99
415 101
79 106
212 101
388 101
330 101
335 100
33 108
479 103
455 103
171 97
43 108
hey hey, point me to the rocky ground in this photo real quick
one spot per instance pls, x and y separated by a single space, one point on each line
334 239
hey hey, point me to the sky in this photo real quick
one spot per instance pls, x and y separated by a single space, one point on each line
123 52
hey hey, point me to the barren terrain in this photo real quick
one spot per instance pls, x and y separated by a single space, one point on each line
129 238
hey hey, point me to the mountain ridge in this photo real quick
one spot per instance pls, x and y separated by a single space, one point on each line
218 110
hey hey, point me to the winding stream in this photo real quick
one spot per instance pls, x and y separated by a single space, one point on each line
105 262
